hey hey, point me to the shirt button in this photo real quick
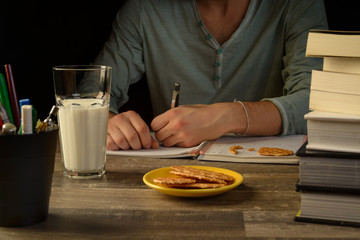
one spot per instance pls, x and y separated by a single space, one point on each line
208 36
219 50
201 23
217 77
217 64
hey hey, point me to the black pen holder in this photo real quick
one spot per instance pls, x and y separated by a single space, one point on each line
27 167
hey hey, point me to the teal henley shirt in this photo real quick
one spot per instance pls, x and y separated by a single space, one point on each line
264 59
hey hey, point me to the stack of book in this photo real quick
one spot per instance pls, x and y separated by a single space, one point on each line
329 162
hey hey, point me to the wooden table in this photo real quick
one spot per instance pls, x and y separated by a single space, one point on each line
121 206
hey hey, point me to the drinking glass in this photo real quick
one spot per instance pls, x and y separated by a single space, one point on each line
82 95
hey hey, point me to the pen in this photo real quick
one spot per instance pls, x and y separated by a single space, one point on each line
13 95
4 97
175 95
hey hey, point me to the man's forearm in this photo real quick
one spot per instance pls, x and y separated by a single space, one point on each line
263 119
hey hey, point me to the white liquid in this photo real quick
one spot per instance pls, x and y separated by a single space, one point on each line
83 132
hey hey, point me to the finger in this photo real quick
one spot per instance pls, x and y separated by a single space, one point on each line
137 134
154 144
161 121
166 124
181 139
116 140
161 126
110 144
121 132
171 140
132 137
143 132
163 134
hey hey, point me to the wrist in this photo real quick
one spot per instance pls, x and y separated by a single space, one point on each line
247 119
232 118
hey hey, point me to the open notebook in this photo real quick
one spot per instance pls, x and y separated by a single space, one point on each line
218 150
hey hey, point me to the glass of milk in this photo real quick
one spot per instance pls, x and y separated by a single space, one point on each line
82 94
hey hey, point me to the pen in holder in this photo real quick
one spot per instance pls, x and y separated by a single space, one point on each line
27 167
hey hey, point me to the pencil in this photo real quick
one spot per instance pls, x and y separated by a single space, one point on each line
13 96
175 95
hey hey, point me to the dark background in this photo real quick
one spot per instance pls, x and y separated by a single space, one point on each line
35 36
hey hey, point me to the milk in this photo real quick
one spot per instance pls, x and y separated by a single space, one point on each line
83 130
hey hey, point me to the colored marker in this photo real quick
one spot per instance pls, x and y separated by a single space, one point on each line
4 97
24 101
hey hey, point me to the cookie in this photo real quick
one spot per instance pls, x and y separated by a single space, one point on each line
233 149
189 177
270 151
201 174
200 185
173 180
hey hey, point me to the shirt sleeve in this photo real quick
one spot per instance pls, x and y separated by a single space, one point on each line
301 16
123 51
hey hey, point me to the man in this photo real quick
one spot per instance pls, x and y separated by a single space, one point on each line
219 51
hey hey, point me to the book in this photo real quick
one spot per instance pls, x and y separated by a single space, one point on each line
335 92
334 102
329 206
338 170
218 150
344 83
322 43
329 184
329 131
161 152
341 64
329 179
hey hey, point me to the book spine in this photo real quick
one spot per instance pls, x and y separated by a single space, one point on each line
299 218
308 188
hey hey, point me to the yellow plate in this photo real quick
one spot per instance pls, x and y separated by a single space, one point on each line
164 172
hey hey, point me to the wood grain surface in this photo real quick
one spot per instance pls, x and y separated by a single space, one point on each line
121 206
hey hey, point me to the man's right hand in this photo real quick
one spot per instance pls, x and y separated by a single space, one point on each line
128 130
